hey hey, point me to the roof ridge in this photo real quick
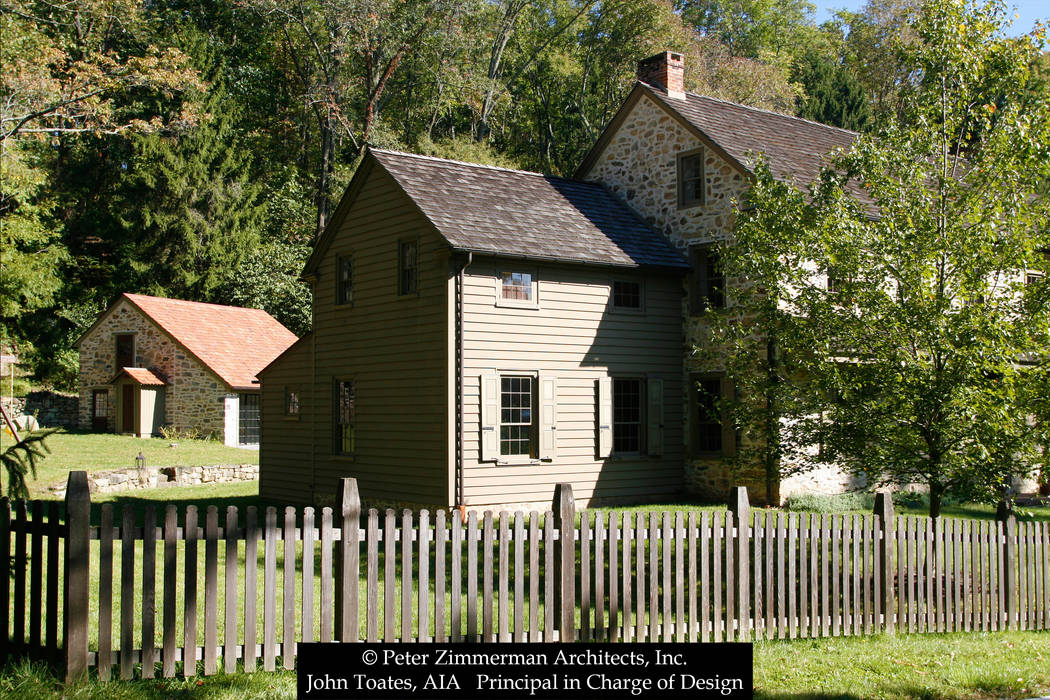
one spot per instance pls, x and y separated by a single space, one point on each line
133 295
477 165
657 88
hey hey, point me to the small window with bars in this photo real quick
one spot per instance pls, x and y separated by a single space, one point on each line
517 429
100 398
345 430
627 294
628 419
291 402
408 267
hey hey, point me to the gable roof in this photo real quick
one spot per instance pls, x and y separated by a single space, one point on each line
233 342
489 210
139 375
794 148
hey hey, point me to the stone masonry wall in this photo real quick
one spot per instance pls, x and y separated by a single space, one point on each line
49 408
193 397
159 477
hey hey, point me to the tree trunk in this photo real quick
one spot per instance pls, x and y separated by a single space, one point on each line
936 496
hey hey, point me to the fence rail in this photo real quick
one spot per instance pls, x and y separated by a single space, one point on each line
185 590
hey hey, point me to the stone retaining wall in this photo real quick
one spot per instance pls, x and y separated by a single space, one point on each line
160 477
51 408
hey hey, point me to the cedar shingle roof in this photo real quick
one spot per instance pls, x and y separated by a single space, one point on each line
794 148
484 209
140 375
233 342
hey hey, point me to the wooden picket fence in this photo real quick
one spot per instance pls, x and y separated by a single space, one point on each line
417 576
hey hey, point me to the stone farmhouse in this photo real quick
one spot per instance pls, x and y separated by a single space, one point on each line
481 334
148 362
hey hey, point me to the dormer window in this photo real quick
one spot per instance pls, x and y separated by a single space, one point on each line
691 178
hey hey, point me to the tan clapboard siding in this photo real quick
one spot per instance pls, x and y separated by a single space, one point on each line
393 348
285 467
575 337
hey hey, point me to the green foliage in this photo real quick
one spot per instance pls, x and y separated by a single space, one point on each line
20 461
268 279
925 360
834 503
832 94
750 27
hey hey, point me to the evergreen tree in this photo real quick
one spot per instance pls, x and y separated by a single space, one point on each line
188 205
832 96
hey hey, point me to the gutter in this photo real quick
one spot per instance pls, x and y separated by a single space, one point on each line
460 403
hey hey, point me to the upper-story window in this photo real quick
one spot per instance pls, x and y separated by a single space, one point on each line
708 291
517 423
691 188
627 294
291 401
516 287
408 268
344 293
125 350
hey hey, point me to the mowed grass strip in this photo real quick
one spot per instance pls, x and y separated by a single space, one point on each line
949 667
71 451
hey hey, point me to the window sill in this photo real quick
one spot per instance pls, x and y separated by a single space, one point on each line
509 304
344 458
522 462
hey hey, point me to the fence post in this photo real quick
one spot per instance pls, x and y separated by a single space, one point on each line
564 508
740 507
347 563
78 522
1005 514
886 548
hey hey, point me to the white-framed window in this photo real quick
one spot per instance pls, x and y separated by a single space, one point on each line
628 415
517 416
517 287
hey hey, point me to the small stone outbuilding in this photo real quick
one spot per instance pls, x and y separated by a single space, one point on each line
149 362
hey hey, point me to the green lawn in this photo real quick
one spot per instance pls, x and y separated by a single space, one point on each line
963 666
71 451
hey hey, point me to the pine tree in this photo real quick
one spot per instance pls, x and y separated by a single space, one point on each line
832 94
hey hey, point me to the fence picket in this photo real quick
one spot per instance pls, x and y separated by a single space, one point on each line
640 537
251 572
938 575
781 570
519 576
692 592
679 580
858 611
814 606
211 589
189 614
847 601
229 641
534 576
614 591
423 605
717 521
389 578
456 545
105 590
626 576
372 574
171 526
920 575
127 593
653 630
548 576
288 606
705 578
488 535
309 539
36 574
866 565
504 575
406 575
792 576
472 576
585 577
758 567
440 539
599 577
803 577
728 541
270 591
18 635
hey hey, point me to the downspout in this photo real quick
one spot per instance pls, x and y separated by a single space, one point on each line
460 404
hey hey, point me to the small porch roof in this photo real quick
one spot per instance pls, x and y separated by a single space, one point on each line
139 375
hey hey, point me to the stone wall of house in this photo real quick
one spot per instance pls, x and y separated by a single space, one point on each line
194 396
640 165
159 477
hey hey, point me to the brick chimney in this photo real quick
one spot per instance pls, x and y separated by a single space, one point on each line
666 70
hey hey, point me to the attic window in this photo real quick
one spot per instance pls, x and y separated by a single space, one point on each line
691 178
517 286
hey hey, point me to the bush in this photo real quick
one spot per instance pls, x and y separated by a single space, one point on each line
834 503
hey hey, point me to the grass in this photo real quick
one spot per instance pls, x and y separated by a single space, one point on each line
955 666
71 451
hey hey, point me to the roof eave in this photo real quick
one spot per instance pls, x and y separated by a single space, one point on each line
682 267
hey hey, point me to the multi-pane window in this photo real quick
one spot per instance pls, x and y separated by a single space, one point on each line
125 350
345 434
100 399
250 422
627 295
708 429
708 279
1033 278
291 401
516 286
408 271
517 429
628 400
690 179
345 281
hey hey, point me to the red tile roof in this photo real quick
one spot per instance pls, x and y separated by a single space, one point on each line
233 342
142 376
